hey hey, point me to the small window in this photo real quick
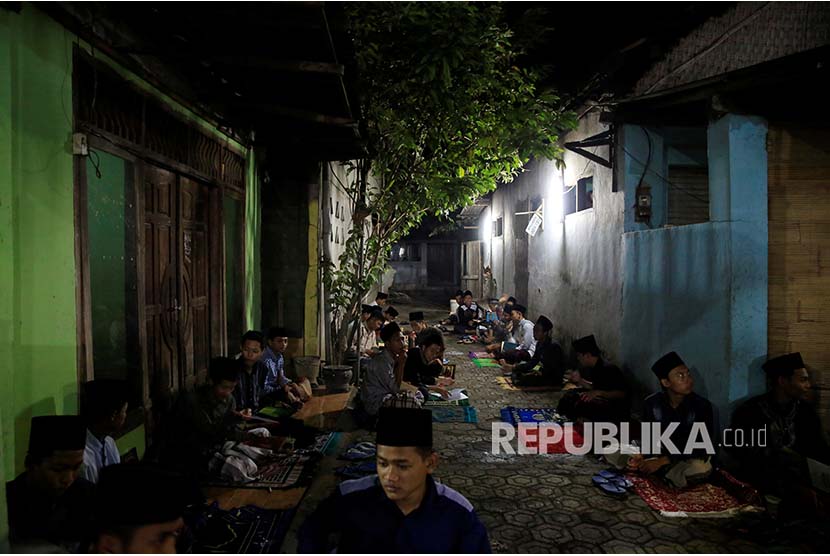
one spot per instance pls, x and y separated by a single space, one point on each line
569 201
498 227
584 194
520 219
688 195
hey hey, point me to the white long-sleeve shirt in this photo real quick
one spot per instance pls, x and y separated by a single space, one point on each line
523 335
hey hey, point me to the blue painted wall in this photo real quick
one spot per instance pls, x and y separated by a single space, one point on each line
700 290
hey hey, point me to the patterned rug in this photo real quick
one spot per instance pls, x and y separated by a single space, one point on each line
480 355
516 415
722 496
283 471
454 414
244 530
507 384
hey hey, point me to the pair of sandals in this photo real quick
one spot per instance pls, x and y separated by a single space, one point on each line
612 483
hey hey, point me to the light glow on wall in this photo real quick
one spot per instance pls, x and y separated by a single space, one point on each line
555 196
486 225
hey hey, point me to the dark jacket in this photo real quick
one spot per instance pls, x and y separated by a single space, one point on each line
65 521
549 354
793 433
418 373
693 409
360 518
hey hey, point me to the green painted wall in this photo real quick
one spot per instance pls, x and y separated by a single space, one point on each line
37 323
38 360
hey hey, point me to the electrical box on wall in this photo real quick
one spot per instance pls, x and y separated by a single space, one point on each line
79 144
643 208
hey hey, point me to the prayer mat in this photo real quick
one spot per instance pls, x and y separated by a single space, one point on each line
276 411
480 355
450 414
445 403
323 443
516 415
486 363
244 530
281 472
720 497
507 384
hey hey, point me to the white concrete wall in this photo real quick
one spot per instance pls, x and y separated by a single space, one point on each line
574 262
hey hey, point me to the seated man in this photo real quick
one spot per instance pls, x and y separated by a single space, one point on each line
366 311
380 300
203 419
468 315
402 509
49 502
251 384
416 325
390 314
277 386
547 353
521 335
793 434
602 391
424 364
368 343
104 408
384 372
677 403
138 510
459 299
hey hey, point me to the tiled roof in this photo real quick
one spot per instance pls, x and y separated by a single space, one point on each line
749 34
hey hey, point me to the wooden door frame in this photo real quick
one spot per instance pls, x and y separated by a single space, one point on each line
85 364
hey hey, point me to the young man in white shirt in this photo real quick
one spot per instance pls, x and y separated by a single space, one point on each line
104 407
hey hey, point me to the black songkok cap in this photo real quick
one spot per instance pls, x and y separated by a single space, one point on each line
521 308
135 495
377 313
468 292
367 308
783 365
382 295
392 312
50 433
399 426
665 364
417 315
587 344
545 323
459 293
389 331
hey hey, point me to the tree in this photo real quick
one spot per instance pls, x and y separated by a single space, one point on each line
446 114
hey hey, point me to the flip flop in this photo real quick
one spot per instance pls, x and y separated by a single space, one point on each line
608 486
609 474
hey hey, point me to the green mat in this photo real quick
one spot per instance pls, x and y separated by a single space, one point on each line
486 363
454 414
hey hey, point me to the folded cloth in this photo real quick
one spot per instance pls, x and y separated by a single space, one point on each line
359 451
237 462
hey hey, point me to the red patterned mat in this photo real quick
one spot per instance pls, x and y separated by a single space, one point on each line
722 496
